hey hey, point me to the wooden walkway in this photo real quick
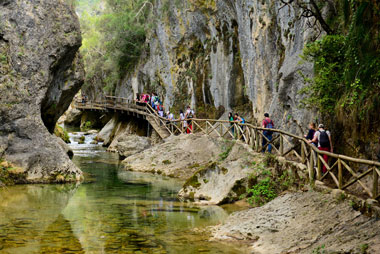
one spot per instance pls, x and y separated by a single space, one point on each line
343 171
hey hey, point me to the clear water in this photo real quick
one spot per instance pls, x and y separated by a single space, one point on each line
114 211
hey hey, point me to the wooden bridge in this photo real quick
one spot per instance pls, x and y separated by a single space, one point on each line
343 171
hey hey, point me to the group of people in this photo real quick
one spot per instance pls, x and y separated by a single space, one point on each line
154 101
321 138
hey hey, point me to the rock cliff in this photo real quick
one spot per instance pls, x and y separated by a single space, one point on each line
238 55
41 72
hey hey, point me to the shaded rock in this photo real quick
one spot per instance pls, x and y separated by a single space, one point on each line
66 147
72 116
105 134
41 74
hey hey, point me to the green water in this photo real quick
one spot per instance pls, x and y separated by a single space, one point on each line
112 212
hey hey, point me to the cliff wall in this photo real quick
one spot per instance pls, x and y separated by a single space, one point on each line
40 73
226 55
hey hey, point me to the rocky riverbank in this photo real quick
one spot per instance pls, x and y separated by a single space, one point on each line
303 222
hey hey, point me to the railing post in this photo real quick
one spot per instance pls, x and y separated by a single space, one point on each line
281 144
257 141
206 127
221 129
238 132
319 167
340 174
303 155
375 190
252 140
311 167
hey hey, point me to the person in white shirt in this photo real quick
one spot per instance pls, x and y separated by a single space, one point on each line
182 118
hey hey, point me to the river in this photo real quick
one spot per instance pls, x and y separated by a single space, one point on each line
113 211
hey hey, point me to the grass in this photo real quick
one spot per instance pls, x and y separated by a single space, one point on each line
166 162
227 147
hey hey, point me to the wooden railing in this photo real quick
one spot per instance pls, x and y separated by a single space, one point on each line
344 171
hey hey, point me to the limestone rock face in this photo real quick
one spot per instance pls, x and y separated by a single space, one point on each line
242 54
40 72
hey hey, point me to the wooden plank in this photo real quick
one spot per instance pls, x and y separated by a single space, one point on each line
357 179
375 183
281 144
340 174
311 167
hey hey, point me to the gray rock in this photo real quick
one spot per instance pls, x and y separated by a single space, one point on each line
130 144
106 132
40 72
72 116
301 223
65 147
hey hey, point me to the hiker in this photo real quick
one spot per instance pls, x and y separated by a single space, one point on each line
189 115
240 120
152 100
160 109
267 123
323 138
169 116
182 118
231 119
310 134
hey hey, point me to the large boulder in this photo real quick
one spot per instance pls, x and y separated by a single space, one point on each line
179 156
222 181
40 72
72 116
127 145
106 132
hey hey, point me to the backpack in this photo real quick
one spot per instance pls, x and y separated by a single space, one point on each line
190 115
324 140
269 125
242 120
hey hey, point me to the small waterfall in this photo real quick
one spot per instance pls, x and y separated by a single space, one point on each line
88 147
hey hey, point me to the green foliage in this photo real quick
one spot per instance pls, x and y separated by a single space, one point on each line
319 250
262 192
347 66
87 126
166 162
114 37
61 133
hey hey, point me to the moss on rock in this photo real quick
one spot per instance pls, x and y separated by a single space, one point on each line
61 133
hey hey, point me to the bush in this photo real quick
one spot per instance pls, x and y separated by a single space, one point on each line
262 192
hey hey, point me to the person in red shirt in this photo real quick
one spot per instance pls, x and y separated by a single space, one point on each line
267 123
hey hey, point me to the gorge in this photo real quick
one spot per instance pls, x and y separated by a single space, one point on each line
132 182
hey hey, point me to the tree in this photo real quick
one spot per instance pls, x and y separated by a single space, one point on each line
310 9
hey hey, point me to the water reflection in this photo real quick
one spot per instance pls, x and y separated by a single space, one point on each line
118 212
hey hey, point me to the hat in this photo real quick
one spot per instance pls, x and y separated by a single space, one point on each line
321 126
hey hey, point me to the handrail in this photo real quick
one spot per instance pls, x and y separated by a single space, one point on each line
251 135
